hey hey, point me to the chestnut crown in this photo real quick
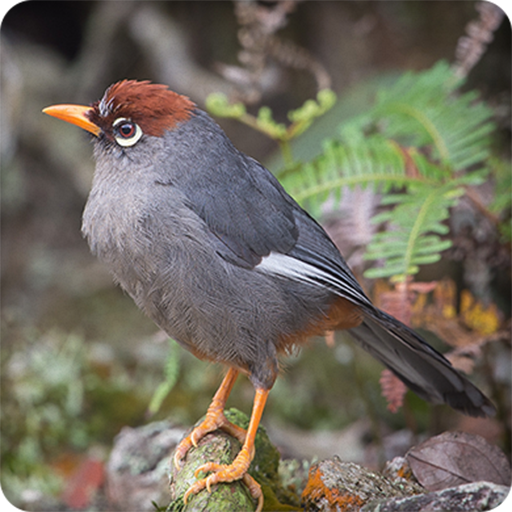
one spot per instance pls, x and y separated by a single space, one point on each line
130 108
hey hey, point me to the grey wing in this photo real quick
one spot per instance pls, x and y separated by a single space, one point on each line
247 211
253 218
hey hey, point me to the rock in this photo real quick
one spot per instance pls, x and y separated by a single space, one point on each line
140 463
400 473
335 486
138 466
471 497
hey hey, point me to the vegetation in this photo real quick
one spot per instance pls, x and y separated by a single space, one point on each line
421 146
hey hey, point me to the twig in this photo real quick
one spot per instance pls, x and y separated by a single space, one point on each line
471 47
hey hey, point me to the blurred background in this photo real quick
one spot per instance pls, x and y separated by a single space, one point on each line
79 361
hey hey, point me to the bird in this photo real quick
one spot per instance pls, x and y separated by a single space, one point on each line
212 248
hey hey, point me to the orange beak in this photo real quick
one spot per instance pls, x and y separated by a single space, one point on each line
74 114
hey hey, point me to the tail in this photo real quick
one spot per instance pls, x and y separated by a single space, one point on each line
424 370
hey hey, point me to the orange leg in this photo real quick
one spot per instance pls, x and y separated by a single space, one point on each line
237 470
214 420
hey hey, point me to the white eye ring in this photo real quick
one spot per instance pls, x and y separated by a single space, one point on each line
126 132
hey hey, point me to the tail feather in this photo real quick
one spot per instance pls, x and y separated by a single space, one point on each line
424 370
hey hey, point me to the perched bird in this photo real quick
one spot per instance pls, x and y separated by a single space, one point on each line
211 247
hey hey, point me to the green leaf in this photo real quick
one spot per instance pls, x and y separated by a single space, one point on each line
311 108
412 230
268 125
171 372
218 105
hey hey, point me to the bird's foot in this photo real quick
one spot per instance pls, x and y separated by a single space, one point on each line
214 420
237 470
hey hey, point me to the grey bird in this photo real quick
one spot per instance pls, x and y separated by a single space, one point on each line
211 247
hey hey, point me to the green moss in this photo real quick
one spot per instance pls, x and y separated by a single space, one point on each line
222 448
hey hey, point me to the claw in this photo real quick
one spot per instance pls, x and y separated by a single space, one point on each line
255 490
226 473
209 483
207 468
194 489
219 421
181 451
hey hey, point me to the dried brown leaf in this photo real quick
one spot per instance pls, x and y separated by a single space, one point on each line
456 458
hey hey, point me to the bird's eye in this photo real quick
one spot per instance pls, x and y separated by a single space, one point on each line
126 132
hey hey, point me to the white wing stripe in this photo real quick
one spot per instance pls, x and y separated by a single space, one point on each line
287 266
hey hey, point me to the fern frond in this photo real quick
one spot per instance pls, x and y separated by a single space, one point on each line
421 109
413 228
370 161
